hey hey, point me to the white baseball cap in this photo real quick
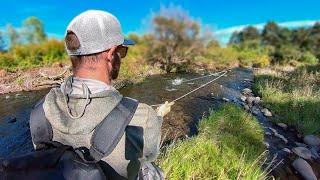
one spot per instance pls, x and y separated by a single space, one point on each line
97 31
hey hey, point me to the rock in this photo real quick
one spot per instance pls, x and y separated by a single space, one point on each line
304 169
286 150
7 96
266 144
246 107
302 152
243 98
283 125
312 140
266 112
225 99
300 144
268 133
250 99
285 140
257 100
314 152
246 91
273 130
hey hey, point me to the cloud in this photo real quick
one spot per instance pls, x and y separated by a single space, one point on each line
223 35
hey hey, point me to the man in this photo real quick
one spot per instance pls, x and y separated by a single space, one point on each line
96 47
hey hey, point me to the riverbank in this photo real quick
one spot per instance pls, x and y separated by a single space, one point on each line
291 151
229 145
39 78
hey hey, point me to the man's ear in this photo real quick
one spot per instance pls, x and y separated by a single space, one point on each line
111 52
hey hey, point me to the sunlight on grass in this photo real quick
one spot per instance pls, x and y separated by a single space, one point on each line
294 97
229 146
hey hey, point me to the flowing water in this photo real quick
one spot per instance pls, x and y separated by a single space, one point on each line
15 108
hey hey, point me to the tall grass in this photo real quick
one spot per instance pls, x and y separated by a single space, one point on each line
229 146
293 96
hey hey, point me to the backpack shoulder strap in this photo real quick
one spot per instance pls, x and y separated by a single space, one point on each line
40 128
109 132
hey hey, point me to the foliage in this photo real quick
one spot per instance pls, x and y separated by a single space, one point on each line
292 96
287 45
33 55
175 40
33 30
229 146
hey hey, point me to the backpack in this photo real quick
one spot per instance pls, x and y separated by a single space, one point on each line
57 161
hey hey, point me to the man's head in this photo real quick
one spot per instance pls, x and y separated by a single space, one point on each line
96 45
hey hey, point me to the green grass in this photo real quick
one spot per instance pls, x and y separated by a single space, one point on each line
229 146
294 96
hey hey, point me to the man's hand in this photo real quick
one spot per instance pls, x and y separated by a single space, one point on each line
164 109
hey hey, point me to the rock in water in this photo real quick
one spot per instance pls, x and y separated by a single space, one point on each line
302 152
312 140
283 125
225 99
304 169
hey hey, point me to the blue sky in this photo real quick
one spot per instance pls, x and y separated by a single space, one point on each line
222 17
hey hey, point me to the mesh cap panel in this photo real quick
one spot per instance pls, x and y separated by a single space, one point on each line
96 30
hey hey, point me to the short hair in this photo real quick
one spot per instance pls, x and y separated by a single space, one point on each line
73 43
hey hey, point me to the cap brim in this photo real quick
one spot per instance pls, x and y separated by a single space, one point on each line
128 42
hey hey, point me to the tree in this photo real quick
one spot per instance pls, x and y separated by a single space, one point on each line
270 34
177 39
13 35
249 33
33 30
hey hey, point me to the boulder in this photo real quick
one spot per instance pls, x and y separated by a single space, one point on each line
302 152
304 169
312 140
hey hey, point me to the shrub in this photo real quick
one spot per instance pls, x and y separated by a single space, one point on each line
308 57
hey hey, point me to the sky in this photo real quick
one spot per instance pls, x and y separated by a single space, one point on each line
222 17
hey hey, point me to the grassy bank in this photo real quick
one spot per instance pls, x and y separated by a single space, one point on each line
229 146
293 95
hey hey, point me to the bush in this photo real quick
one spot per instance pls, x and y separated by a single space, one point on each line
308 57
33 55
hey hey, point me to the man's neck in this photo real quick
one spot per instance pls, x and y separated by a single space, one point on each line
95 76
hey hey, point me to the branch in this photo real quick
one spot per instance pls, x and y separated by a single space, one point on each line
55 77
